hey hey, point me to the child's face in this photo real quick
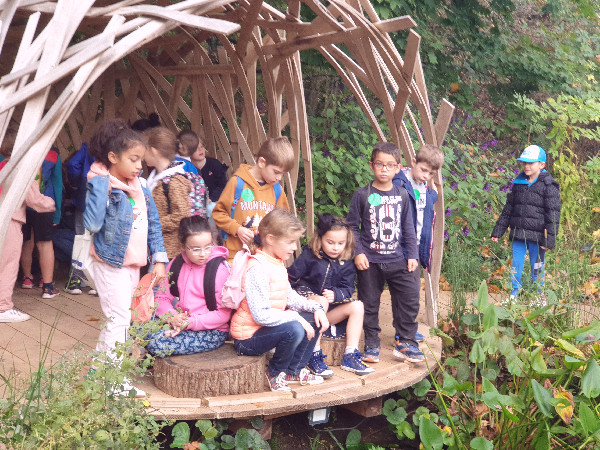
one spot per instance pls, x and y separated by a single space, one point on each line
128 164
199 155
151 157
422 172
282 247
532 170
334 242
384 167
269 173
198 247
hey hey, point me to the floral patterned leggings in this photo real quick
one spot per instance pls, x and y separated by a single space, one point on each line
185 343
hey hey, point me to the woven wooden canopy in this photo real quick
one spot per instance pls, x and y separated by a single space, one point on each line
68 64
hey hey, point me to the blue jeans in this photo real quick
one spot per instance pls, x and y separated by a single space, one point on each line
537 257
292 348
187 342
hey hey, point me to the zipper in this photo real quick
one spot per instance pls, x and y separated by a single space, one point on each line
325 279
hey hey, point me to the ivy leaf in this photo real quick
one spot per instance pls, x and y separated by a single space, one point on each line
353 438
590 386
422 387
480 443
180 434
397 416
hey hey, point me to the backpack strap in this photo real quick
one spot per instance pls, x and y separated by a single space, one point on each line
277 189
239 187
175 269
210 274
165 186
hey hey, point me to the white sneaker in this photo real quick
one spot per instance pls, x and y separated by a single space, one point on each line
126 386
12 315
93 292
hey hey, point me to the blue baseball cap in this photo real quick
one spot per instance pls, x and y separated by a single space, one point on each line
533 153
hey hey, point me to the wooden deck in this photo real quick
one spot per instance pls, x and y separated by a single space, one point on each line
75 320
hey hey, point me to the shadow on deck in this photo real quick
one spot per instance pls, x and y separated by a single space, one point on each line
75 320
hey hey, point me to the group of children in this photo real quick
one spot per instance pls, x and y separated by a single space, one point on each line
386 236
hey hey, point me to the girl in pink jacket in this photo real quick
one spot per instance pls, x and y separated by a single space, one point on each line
198 320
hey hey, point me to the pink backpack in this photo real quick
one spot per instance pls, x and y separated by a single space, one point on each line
233 289
142 301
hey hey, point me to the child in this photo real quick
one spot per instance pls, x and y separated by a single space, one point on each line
272 314
532 211
199 326
9 260
252 192
177 193
121 212
325 272
381 219
213 171
39 227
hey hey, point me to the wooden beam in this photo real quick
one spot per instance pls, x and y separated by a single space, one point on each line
366 408
395 24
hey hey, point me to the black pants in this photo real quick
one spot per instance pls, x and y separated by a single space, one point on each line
405 290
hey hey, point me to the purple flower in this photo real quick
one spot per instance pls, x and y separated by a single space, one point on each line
472 205
463 176
453 186
489 208
494 142
448 212
517 171
486 187
443 177
465 231
501 169
453 172
446 235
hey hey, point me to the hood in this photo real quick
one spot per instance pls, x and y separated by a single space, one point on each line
174 168
522 178
216 252
98 168
244 173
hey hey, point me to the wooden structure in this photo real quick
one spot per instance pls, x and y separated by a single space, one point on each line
67 64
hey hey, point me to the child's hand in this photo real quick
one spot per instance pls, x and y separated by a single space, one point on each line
310 331
245 235
159 272
329 295
322 301
321 320
412 265
361 262
494 239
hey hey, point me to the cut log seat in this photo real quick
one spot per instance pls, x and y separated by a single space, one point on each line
334 349
219 372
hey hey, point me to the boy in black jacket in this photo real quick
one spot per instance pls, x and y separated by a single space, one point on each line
532 212
381 218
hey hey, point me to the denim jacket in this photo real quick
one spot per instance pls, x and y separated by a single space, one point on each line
110 217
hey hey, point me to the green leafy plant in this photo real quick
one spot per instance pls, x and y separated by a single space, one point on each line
214 437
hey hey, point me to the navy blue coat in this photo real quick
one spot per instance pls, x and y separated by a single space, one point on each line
317 274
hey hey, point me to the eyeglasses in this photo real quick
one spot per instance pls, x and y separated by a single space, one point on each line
200 250
379 165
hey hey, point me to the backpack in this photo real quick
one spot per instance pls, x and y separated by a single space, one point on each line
233 289
210 273
198 195
239 187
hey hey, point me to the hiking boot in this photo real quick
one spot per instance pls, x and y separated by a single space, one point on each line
73 286
304 377
12 315
352 363
27 283
49 291
318 366
408 352
277 383
371 355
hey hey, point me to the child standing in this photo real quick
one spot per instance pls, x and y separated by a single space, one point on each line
252 192
381 219
121 213
177 193
9 260
213 171
272 314
200 322
532 211
325 272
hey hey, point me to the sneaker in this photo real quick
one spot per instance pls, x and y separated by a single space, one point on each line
352 363
41 283
277 383
93 292
27 283
419 337
371 355
73 286
304 377
12 315
49 291
408 352
318 366
126 387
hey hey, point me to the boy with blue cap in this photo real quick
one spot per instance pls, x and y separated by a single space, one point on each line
532 211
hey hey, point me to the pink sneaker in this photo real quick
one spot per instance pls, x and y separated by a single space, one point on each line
27 283
304 377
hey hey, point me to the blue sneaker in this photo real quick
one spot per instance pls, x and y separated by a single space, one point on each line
419 337
318 366
352 363
371 355
408 352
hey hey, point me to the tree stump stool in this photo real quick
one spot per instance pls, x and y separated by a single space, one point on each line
334 349
219 372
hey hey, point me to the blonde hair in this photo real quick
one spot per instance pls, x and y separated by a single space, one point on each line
277 152
431 155
280 223
189 142
316 243
163 140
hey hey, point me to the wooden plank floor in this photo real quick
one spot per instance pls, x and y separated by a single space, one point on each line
75 320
